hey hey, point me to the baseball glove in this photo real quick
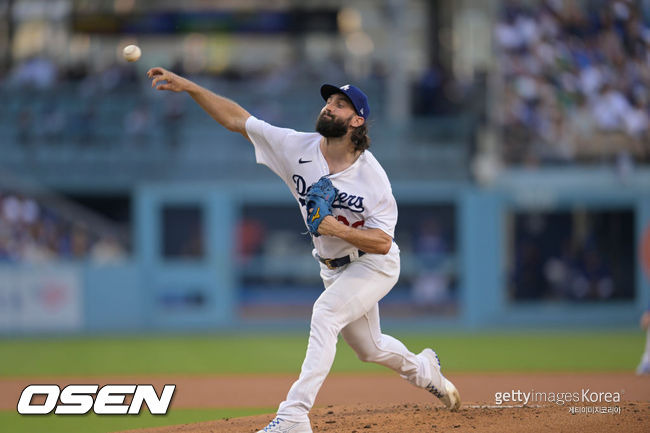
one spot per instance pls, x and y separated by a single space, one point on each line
320 196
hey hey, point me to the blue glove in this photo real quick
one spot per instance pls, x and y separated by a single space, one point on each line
320 196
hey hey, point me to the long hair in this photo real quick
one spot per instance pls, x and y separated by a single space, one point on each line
360 138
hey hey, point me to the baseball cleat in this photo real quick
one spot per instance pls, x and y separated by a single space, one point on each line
449 395
451 398
279 425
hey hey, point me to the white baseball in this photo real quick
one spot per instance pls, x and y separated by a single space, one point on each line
131 53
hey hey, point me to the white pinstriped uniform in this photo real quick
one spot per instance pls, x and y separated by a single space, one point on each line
349 303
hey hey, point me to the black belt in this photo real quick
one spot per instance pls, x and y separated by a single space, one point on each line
338 262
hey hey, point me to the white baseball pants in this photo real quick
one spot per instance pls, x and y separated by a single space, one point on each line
349 306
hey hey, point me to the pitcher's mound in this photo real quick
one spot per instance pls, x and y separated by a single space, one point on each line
472 417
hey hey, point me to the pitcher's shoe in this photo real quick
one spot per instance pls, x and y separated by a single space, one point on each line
449 395
279 425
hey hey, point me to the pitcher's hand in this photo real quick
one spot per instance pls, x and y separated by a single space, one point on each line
162 79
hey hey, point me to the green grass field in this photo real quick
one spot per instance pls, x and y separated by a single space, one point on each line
233 354
223 354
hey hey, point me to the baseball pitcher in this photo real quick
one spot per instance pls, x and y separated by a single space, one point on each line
346 200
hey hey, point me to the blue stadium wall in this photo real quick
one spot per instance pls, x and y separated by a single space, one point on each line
121 297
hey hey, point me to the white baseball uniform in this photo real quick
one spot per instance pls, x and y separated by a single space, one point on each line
349 303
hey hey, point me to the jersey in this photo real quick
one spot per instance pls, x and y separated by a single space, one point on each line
365 198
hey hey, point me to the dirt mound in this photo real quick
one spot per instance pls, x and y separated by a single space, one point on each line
412 418
392 405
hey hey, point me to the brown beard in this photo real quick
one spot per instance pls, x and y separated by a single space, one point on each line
330 127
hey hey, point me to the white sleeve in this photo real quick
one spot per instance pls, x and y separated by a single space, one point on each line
384 216
268 141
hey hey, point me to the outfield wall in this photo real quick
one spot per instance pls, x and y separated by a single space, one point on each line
151 291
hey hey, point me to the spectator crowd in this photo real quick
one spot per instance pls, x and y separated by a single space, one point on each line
576 77
32 232
572 256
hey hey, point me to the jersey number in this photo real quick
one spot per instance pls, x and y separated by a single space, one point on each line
345 221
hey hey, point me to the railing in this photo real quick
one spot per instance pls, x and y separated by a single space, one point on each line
76 135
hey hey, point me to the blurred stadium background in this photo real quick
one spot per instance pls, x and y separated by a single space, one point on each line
515 134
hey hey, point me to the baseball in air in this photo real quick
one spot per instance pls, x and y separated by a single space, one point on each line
131 53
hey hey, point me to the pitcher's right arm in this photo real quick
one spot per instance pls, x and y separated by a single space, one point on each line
226 112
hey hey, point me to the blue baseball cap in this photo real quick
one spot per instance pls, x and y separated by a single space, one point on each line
358 99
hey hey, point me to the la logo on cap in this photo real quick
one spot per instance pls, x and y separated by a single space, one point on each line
346 87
